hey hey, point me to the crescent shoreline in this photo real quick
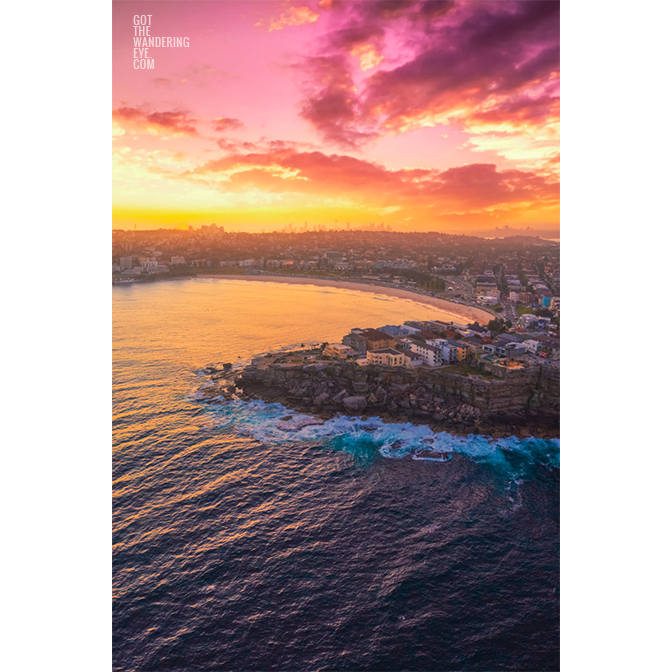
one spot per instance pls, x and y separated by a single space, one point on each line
469 313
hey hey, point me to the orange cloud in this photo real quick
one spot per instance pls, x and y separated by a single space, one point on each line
294 16
368 56
293 175
164 124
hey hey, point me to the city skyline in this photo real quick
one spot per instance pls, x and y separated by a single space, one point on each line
420 115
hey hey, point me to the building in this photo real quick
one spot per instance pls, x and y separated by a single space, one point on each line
532 346
339 351
410 329
513 349
431 327
478 330
463 349
529 321
355 341
392 330
474 343
449 350
486 284
385 357
411 360
149 265
510 338
504 348
549 346
430 354
377 340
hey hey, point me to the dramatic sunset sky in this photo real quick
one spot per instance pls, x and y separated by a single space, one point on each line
424 115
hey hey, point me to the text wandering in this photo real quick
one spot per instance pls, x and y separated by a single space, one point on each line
143 40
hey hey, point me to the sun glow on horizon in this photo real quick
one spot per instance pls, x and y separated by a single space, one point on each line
319 112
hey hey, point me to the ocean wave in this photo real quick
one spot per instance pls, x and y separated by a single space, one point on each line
274 424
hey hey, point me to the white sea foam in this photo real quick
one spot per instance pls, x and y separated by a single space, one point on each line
267 423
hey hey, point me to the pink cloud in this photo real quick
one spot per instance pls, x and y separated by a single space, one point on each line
227 124
488 60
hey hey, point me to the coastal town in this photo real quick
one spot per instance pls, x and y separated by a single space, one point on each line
466 378
495 370
513 280
471 348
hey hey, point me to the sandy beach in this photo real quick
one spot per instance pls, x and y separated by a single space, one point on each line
467 313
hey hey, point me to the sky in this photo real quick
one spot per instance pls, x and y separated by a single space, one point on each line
424 115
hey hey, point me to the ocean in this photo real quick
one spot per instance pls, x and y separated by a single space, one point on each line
240 546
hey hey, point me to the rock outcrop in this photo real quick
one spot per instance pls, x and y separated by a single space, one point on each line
524 401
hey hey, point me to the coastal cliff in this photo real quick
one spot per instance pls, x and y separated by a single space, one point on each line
525 402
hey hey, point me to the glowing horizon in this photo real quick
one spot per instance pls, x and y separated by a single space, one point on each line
424 115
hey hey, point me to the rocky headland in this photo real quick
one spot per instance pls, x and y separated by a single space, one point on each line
525 402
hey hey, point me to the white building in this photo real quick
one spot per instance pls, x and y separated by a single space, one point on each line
406 329
149 265
448 351
430 354
532 346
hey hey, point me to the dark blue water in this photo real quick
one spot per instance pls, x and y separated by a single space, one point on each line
238 546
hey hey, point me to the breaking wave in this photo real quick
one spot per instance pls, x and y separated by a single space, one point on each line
274 424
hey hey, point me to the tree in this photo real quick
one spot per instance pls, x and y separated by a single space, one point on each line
497 326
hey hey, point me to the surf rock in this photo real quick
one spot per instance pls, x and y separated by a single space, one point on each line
354 404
